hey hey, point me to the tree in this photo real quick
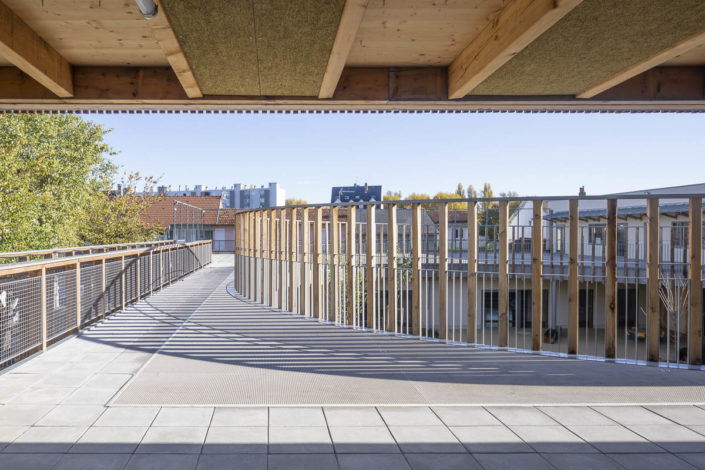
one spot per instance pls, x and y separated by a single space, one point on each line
452 205
513 205
55 186
472 192
295 202
416 197
392 196
460 191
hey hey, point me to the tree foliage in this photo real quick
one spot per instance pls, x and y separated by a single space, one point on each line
295 202
54 183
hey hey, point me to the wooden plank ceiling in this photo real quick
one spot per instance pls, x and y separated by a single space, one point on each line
384 55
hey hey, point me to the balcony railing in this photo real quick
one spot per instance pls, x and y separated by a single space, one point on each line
46 300
617 286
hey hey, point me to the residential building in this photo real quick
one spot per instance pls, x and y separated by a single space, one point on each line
356 193
238 196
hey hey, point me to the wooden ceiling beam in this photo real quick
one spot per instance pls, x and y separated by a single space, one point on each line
643 66
165 37
25 49
516 26
353 12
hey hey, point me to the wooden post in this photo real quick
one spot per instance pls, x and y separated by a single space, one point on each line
695 327
503 303
443 271
317 250
391 268
416 268
262 254
305 247
537 276
122 274
293 232
256 254
333 286
573 282
350 266
252 270
611 280
272 254
472 273
78 295
43 288
370 249
281 256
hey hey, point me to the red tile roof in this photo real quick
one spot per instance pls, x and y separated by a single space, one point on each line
162 212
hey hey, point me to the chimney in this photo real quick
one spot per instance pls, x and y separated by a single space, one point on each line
582 191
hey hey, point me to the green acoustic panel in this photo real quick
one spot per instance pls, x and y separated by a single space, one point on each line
596 40
256 47
218 40
294 40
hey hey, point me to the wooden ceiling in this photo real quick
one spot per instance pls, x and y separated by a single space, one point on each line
357 55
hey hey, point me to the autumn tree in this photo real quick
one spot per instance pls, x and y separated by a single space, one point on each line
295 202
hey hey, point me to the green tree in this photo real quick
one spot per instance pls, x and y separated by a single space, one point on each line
472 192
460 191
513 205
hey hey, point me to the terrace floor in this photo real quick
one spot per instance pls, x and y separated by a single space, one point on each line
194 378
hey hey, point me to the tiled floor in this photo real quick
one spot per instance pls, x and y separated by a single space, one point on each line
57 411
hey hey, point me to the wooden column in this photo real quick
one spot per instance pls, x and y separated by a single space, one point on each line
537 276
573 282
78 295
272 254
443 271
317 252
695 238
293 241
503 303
333 260
305 247
350 266
370 248
262 254
43 289
391 268
281 256
252 271
611 280
416 268
257 254
472 273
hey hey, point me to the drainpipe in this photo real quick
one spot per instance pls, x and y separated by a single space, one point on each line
148 8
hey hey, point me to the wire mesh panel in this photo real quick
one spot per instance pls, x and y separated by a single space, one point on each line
113 285
91 293
130 279
156 277
60 302
20 317
144 274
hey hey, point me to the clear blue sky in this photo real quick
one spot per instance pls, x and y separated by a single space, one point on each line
533 154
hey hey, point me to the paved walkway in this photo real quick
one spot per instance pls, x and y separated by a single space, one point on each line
105 399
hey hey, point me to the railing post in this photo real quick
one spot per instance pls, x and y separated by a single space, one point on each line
122 273
293 232
391 268
416 268
281 256
251 283
573 281
151 272
256 255
317 249
695 329
43 289
78 295
333 242
537 276
503 276
261 253
472 273
102 277
272 254
350 266
443 271
139 278
305 247
370 268
611 281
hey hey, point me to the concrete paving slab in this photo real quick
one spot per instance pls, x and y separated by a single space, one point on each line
409 416
299 440
696 460
582 462
191 416
363 440
162 462
576 415
29 461
233 462
672 437
353 416
93 462
520 416
109 440
372 462
236 440
9 434
303 462
258 416
173 440
513 461
426 439
296 417
490 439
465 416
46 439
444 461
615 439
23 414
651 462
627 415
552 439
71 415
686 415
128 416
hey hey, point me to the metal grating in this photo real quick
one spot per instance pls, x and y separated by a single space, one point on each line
113 285
60 302
20 317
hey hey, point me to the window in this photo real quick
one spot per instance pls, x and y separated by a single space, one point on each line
679 234
596 232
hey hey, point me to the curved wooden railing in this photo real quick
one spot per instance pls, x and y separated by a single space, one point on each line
609 277
53 253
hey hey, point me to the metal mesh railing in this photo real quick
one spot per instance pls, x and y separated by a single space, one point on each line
40 302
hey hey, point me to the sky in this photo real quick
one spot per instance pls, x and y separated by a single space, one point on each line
532 154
